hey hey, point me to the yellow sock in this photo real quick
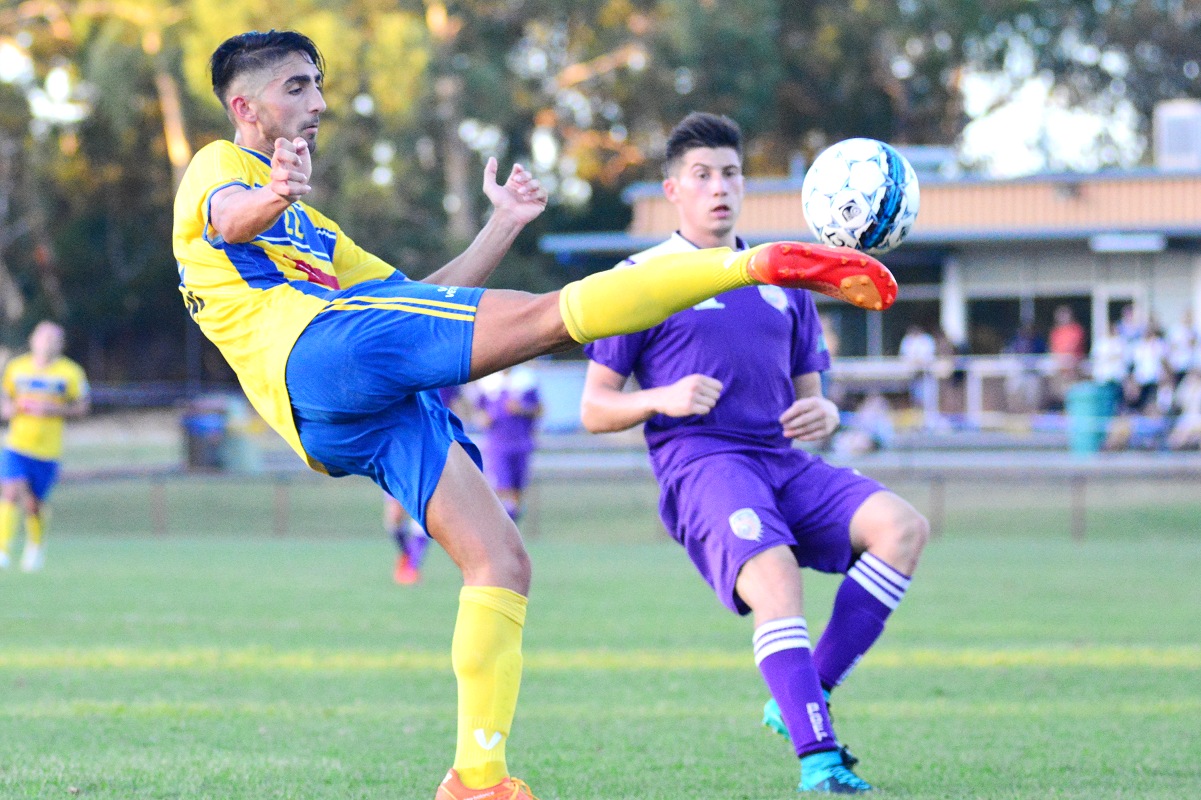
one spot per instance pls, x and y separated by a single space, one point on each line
8 524
635 298
486 654
33 529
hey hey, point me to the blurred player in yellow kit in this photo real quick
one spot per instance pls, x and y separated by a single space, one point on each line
40 389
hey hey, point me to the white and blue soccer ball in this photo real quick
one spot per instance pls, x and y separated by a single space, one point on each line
860 193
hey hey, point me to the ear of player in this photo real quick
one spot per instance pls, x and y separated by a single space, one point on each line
840 272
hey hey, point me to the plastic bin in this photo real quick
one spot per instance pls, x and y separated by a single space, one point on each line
204 428
1089 408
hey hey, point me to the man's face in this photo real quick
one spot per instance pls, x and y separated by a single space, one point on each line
283 100
706 189
46 342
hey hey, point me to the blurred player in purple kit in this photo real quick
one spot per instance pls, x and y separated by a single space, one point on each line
509 406
412 542
727 386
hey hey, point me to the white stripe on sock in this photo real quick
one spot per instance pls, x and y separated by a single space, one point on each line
771 648
867 571
868 582
780 624
886 571
787 633
792 634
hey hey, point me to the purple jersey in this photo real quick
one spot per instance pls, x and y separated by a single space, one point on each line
754 340
510 401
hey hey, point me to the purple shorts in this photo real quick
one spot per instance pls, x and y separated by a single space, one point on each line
726 508
509 470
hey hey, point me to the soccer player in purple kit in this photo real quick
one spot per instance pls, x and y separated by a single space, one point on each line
509 406
726 387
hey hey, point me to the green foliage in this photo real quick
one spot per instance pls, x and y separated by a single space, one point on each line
607 78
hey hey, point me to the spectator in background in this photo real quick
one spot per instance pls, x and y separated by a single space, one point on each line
1111 364
1066 343
1183 342
1186 433
917 351
1130 326
1026 341
509 407
1024 385
1148 357
870 428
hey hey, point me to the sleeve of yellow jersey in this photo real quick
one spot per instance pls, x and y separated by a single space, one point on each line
215 167
353 264
77 385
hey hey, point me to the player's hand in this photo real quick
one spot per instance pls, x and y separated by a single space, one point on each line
810 419
521 197
291 169
689 396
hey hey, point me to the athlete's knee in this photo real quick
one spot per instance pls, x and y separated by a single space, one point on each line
770 585
904 535
503 562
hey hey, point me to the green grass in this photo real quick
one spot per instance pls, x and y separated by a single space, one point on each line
229 663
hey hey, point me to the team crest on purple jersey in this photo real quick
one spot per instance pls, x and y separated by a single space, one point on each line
746 524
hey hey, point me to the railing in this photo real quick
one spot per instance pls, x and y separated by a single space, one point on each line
983 391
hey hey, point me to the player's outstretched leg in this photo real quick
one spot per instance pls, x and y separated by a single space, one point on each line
839 272
638 297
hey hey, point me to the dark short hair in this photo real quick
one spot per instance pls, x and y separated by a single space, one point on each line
700 129
254 50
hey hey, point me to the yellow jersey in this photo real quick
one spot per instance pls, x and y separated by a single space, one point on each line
59 383
254 299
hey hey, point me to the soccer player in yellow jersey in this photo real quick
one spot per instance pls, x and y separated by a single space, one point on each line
342 354
39 390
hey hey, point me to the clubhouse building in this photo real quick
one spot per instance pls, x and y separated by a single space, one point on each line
985 255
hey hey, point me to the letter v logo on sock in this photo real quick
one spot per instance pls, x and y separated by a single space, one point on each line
487 744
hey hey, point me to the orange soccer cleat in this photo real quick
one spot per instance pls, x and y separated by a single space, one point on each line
510 788
839 272
405 573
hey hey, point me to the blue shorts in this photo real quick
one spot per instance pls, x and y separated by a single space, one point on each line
726 508
40 475
363 380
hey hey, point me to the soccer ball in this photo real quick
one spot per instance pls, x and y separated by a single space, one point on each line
860 193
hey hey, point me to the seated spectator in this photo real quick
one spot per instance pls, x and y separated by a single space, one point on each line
1186 432
870 428
1111 364
1149 368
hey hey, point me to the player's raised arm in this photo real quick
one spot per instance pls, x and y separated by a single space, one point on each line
514 205
239 214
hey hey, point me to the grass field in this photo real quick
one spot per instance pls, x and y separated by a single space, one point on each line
223 662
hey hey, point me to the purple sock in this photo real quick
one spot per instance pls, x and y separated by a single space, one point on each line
870 592
782 655
512 509
401 538
417 542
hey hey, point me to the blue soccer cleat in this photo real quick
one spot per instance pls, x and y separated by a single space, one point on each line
824 772
774 720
